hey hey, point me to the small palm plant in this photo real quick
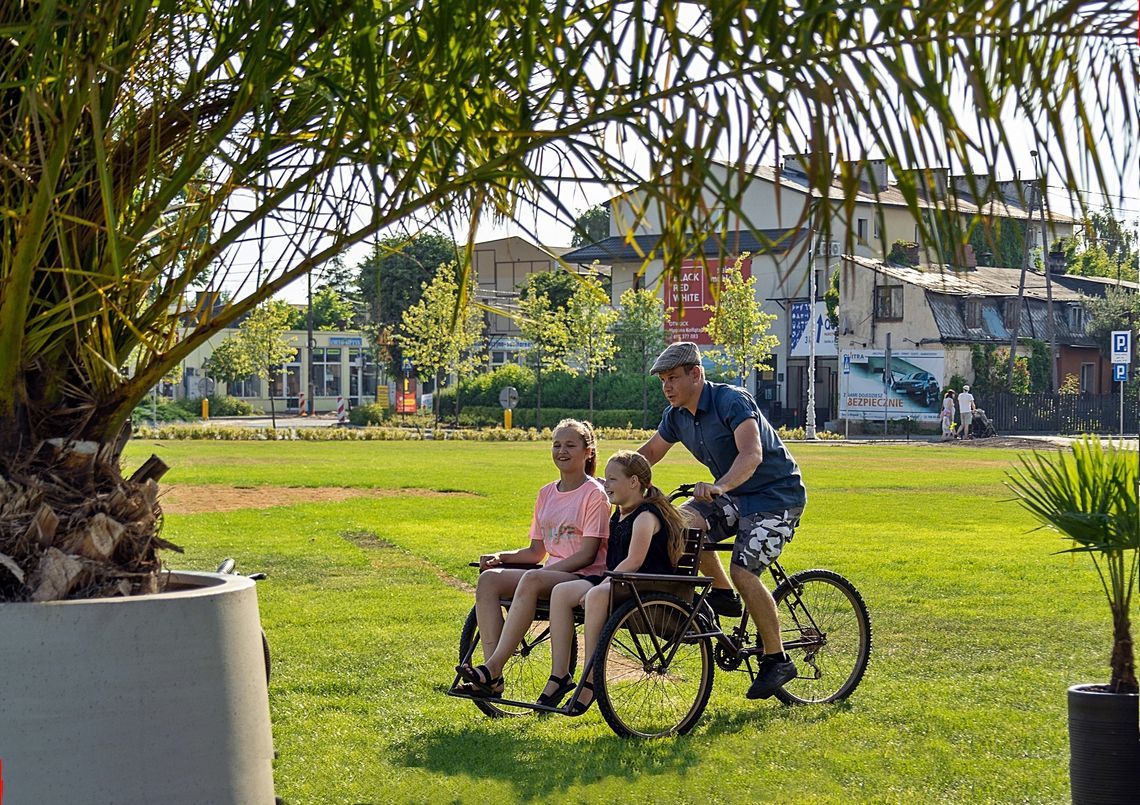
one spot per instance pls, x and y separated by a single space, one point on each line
1090 495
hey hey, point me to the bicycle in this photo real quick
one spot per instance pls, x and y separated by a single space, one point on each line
656 658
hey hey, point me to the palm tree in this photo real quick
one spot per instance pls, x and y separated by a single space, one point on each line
143 141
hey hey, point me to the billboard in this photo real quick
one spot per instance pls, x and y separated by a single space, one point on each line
809 324
697 285
913 387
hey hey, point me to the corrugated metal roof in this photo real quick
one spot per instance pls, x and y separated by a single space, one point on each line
618 250
987 281
949 316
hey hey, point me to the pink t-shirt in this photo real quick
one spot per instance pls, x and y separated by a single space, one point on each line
562 519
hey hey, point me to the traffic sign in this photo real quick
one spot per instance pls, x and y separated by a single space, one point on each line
1121 344
846 363
1120 372
509 397
407 367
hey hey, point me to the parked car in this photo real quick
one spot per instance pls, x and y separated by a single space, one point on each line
921 385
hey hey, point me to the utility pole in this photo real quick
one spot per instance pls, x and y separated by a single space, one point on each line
309 280
809 425
1021 285
1048 285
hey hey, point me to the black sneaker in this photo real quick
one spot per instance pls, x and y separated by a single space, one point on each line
724 602
773 675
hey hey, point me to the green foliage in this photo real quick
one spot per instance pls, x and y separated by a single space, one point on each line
258 347
591 317
1088 494
999 242
442 333
1039 365
545 327
739 325
991 370
1070 385
394 276
591 226
220 405
831 298
558 286
331 311
901 253
1118 310
164 410
640 336
369 414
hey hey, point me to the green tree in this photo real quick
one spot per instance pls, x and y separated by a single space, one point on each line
433 340
590 318
544 326
258 348
394 275
331 311
739 325
558 286
591 226
1118 310
640 336
336 122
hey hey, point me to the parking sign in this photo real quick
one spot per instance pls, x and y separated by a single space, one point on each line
1120 372
1121 346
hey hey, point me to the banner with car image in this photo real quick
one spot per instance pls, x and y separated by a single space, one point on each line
912 388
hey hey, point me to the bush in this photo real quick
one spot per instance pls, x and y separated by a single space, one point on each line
219 406
370 414
167 410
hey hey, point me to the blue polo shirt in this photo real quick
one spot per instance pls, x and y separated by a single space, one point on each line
775 486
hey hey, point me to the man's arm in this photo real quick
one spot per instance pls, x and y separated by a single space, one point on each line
749 454
655 449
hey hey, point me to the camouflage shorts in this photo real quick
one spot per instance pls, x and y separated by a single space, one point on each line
759 537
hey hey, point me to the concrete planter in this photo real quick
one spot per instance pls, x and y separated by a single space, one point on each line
156 698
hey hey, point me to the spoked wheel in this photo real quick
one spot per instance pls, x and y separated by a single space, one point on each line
650 679
827 631
525 673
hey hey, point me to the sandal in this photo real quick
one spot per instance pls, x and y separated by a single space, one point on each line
565 685
576 707
480 683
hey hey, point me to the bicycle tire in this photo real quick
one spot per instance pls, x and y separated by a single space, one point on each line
525 673
832 669
639 698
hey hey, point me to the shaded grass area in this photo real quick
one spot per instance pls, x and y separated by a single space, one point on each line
978 631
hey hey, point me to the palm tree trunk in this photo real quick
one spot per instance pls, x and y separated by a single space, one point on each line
1123 661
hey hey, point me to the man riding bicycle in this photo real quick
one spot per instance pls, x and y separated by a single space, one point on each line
757 495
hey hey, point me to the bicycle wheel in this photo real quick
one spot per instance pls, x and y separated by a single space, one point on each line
649 679
827 630
527 670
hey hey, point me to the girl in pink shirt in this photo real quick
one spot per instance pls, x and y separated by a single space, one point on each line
570 526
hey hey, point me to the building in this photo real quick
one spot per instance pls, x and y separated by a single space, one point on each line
927 318
787 242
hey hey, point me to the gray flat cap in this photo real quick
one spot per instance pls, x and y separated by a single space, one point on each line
682 353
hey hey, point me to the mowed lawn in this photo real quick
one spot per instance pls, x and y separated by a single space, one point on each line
978 630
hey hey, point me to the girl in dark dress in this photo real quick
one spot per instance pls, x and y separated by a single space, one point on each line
646 535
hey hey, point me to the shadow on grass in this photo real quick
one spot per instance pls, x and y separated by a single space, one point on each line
511 751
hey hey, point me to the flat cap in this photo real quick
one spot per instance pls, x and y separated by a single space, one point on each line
682 353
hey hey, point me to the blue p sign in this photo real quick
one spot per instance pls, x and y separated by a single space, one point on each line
1119 372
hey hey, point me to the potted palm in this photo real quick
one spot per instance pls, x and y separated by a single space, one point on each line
1089 495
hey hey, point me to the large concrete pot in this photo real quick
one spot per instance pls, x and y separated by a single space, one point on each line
156 698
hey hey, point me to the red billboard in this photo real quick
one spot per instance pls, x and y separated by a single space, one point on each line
697 285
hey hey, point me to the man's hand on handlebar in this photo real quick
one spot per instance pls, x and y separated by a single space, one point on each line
703 491
489 560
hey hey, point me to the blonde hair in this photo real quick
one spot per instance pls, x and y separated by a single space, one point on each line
635 465
589 438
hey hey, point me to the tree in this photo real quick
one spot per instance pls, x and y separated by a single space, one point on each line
592 226
431 338
640 336
331 311
257 348
557 286
544 326
590 318
1118 310
739 325
323 125
395 274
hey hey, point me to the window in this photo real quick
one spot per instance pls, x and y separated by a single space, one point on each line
1088 378
889 302
878 233
361 375
249 387
1075 317
861 229
326 372
285 378
1012 313
973 314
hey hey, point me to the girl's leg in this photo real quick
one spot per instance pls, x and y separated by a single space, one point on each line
493 585
597 611
563 598
535 584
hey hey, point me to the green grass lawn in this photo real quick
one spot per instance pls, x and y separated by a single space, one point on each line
978 631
